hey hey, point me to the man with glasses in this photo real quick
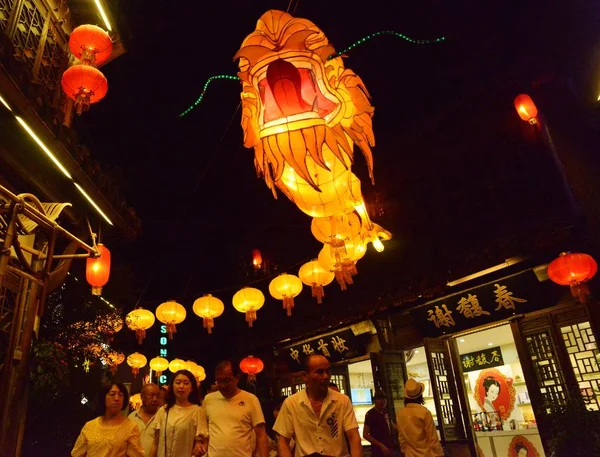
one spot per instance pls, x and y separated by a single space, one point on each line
144 417
232 418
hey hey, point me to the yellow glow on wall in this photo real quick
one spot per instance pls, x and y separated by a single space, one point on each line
103 14
4 102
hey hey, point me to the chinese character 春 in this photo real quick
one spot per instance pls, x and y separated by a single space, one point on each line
295 354
481 360
470 307
495 356
323 348
307 349
441 316
339 344
468 362
505 299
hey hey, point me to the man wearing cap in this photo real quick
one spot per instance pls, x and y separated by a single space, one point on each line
378 429
416 430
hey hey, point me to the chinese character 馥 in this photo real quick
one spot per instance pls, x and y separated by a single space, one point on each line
295 354
468 362
339 344
323 348
307 349
470 307
441 316
482 360
495 356
505 299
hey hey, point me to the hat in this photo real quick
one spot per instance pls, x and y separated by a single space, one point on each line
380 394
413 389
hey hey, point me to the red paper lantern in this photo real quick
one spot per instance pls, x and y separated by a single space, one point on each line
573 270
90 44
97 271
84 85
251 366
526 108
256 259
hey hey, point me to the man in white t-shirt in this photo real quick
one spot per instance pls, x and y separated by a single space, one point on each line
318 418
144 416
231 417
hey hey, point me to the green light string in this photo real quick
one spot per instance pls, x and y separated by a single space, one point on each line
387 32
206 84
349 48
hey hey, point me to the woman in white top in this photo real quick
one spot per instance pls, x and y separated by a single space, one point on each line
416 430
111 434
178 422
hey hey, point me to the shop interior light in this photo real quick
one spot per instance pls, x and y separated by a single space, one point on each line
103 14
4 102
43 146
93 203
487 271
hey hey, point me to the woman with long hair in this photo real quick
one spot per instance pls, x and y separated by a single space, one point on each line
111 434
178 421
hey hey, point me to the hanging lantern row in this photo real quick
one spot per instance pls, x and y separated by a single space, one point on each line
84 83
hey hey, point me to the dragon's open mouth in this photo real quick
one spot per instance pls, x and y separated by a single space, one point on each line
289 92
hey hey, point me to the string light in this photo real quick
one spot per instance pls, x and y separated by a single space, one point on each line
344 51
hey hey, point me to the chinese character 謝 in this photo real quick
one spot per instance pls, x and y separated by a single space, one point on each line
295 354
339 344
441 316
470 307
468 362
307 349
323 348
505 299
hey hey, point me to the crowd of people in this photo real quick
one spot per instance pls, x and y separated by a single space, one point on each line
317 421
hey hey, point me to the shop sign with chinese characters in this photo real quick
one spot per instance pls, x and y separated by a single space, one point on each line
487 358
337 346
497 300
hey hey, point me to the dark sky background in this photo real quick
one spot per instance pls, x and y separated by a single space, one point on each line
457 170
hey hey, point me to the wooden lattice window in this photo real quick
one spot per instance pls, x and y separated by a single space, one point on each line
5 9
339 380
28 33
441 380
584 355
286 391
52 60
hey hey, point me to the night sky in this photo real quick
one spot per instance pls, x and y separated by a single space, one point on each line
457 170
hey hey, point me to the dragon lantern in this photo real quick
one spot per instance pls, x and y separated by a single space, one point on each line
303 112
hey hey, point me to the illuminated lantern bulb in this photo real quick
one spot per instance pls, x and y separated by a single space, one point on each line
159 364
171 313
251 366
526 108
340 227
257 259
113 360
573 270
248 300
314 275
135 401
201 377
136 361
196 370
139 320
84 85
208 307
97 271
90 44
285 287
177 364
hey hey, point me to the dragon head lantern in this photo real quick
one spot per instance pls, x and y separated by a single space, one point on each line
303 112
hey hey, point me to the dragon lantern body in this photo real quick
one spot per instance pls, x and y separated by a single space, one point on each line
302 113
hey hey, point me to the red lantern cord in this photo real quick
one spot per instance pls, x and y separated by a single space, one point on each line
317 292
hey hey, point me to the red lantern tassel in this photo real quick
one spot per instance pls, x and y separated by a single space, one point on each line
170 330
141 334
580 291
113 368
135 371
318 292
288 305
250 317
208 323
158 373
340 278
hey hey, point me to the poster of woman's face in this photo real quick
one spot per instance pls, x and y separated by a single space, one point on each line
494 394
522 447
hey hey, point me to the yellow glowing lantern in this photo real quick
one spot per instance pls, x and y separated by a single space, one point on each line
159 364
248 300
139 320
285 287
208 307
171 313
201 377
339 227
196 370
113 360
135 401
177 364
314 275
136 361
